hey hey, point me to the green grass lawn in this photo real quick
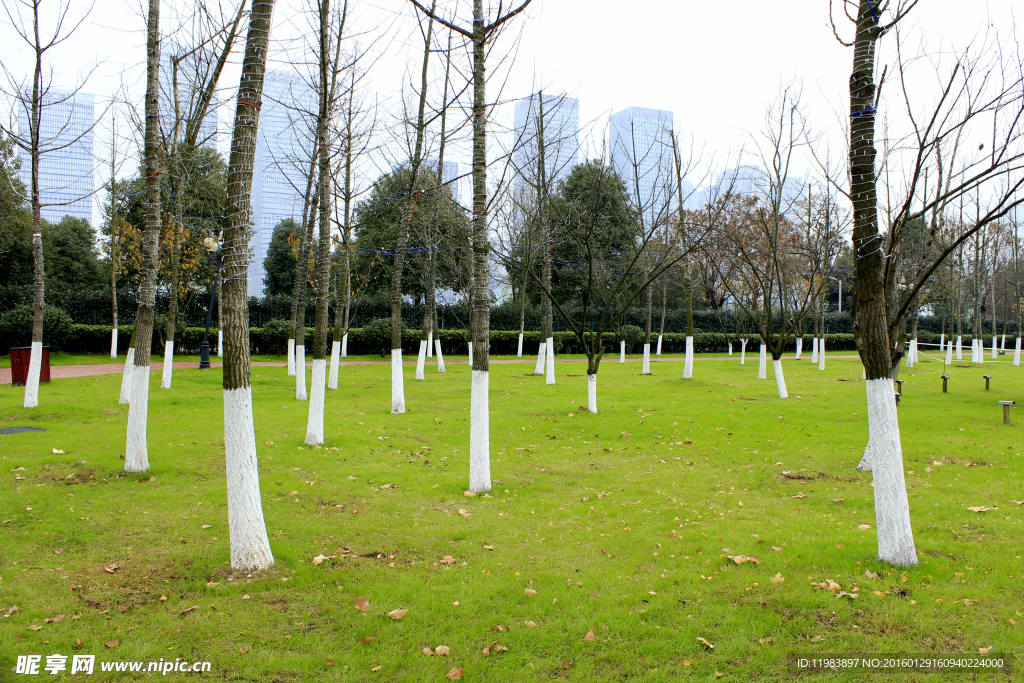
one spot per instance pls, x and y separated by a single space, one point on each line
621 522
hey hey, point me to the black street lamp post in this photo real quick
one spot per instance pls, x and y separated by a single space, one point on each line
213 249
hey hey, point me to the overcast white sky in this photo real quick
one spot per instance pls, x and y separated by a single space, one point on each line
714 64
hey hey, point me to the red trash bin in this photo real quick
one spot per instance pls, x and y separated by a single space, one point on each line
20 357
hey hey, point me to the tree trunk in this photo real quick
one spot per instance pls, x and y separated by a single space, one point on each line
649 296
892 509
250 547
315 421
136 456
664 305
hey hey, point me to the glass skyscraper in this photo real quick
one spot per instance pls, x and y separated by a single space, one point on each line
65 174
283 147
561 116
641 149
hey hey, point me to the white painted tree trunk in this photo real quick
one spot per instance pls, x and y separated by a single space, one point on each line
291 356
1002 344
165 380
959 348
440 358
821 353
315 421
942 341
799 347
35 365
113 342
780 379
688 363
300 372
592 393
344 345
397 383
470 345
647 360
863 372
421 361
995 351
136 455
1016 353
762 369
519 351
126 376
814 350
730 348
949 352
892 507
549 361
743 351
981 350
430 344
332 382
479 434
250 547
622 352
541 353
220 343
974 350
910 354
658 353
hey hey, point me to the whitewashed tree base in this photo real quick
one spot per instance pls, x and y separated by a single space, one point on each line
892 507
821 353
165 380
479 433
344 345
35 365
300 372
421 361
126 377
780 379
315 421
949 352
814 350
469 345
519 351
113 343
136 455
440 358
799 347
622 352
1016 353
762 365
658 352
291 356
250 546
743 351
646 370
541 353
397 383
959 349
688 364
592 393
220 343
549 361
332 381
995 351
430 344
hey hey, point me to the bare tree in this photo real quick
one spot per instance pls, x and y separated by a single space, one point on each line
480 32
37 101
250 547
980 85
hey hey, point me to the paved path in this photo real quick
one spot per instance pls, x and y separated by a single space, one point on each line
66 371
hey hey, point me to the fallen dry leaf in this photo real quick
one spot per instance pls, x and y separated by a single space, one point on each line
75 586
799 495
967 602
983 508
530 591
60 617
984 650
362 604
57 451
397 614
34 627
488 547
442 650
11 610
112 643
844 594
487 650
765 641
428 652
465 513
455 674
110 568
319 559
777 549
870 574
531 624
447 559
829 585
206 526
469 494
740 559
705 643
864 527
212 584
778 578
687 662
817 639
242 650
376 669
590 635
366 640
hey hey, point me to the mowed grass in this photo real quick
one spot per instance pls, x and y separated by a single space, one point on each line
621 522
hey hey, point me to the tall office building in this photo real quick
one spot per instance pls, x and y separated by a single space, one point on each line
190 70
65 174
448 174
641 147
283 148
561 128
